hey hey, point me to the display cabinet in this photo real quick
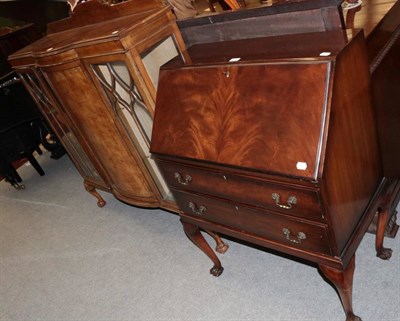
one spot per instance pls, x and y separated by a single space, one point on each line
94 76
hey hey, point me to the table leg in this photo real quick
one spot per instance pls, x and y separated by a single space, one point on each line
383 219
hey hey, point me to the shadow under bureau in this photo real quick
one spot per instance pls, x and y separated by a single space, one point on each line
274 141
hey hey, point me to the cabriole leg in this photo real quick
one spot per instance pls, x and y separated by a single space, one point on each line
343 282
383 219
221 246
194 234
100 201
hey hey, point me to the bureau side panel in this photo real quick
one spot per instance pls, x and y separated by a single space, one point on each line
352 168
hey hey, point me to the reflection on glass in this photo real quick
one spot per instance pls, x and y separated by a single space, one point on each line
63 131
159 55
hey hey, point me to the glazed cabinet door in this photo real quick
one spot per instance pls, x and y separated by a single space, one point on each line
103 131
127 85
130 109
61 125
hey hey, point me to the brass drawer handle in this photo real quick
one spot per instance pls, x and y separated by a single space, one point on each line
291 201
300 236
199 210
184 181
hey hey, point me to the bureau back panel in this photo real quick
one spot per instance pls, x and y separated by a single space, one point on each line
268 117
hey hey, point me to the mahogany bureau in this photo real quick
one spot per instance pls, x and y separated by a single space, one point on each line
274 141
380 21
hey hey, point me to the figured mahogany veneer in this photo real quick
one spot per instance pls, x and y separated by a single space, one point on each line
281 152
227 104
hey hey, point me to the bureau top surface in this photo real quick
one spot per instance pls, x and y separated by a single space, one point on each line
72 34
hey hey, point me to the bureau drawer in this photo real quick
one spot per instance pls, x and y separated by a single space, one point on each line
271 226
260 193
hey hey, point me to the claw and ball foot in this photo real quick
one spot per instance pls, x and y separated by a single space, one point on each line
343 282
352 317
194 234
216 271
221 247
100 201
384 253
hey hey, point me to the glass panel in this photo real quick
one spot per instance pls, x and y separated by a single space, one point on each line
125 98
158 56
128 105
63 131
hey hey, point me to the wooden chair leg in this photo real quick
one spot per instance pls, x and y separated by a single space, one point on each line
343 282
194 234
233 4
